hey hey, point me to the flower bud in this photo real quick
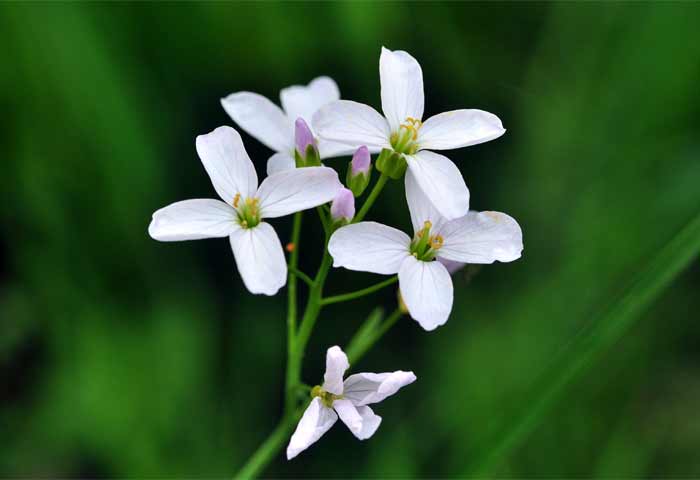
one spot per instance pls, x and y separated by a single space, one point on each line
306 153
359 171
343 207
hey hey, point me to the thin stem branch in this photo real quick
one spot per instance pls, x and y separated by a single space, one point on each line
359 293
376 190
290 381
301 276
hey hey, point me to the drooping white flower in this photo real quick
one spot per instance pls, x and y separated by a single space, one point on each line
402 130
425 284
275 128
347 399
256 247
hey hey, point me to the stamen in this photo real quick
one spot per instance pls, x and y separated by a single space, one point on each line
236 199
436 242
427 225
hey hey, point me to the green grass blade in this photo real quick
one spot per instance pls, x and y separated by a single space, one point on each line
587 347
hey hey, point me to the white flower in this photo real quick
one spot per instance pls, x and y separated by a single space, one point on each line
345 399
265 121
256 247
425 284
356 124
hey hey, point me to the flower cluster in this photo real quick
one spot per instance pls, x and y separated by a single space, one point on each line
312 126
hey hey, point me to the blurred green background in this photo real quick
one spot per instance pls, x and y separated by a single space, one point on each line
121 356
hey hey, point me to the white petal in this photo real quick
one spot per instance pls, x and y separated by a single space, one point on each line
328 149
366 388
193 220
442 182
316 421
336 364
402 87
352 124
459 128
349 415
294 190
260 258
227 163
420 207
370 423
279 162
261 119
303 100
482 237
426 289
369 247
361 421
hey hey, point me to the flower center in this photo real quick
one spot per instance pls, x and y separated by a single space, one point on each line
424 245
248 211
326 397
405 139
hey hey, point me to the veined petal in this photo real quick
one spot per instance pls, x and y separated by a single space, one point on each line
260 259
482 237
369 247
261 119
366 388
336 364
459 128
316 421
193 220
442 182
361 421
426 289
402 87
279 162
227 163
420 207
298 189
303 100
352 124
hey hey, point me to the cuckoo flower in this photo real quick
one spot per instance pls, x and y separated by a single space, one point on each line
402 130
425 284
276 128
345 399
256 247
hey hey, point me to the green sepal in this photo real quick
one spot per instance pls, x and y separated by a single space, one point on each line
358 183
311 159
392 164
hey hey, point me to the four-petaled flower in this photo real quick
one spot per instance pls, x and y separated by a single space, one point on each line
275 128
256 247
404 132
347 399
425 284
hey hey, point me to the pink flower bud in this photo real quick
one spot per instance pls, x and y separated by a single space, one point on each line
343 206
303 136
361 161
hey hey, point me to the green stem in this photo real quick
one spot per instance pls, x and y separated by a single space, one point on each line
290 402
301 275
376 190
359 293
269 448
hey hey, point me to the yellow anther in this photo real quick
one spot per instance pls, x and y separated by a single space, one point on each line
436 242
236 199
244 223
